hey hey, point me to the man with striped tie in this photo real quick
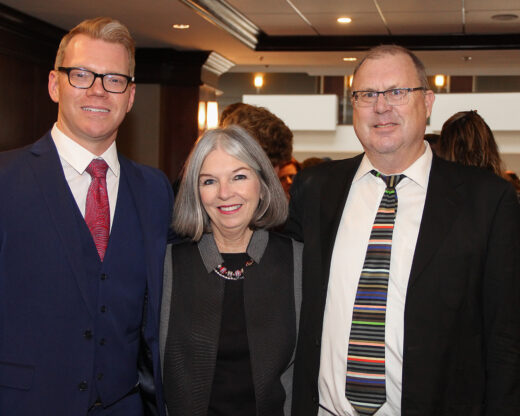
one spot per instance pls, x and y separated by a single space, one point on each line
411 270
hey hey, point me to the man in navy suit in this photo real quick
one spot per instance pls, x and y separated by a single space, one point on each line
451 335
78 315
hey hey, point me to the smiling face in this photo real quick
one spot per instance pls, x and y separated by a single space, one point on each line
230 192
392 136
91 116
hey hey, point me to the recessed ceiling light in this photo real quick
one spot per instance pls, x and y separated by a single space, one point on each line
344 20
180 26
504 17
349 59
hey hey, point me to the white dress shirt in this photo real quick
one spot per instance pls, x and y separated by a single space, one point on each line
347 261
75 159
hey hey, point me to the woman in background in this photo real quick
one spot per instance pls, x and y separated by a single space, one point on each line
467 139
287 173
231 293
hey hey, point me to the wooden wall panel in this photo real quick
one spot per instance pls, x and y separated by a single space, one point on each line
27 50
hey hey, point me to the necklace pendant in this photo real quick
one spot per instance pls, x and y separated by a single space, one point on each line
238 274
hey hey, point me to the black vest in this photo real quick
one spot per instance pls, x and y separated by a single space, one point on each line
194 325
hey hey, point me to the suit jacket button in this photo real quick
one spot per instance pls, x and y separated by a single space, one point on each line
83 386
102 341
103 276
87 334
317 341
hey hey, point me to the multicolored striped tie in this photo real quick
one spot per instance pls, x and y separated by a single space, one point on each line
97 209
365 385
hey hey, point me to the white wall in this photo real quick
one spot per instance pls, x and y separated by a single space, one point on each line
313 112
500 110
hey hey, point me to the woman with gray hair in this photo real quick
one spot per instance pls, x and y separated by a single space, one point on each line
231 294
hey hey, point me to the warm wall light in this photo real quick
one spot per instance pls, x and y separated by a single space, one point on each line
258 81
349 59
202 115
212 115
350 80
344 20
439 80
180 26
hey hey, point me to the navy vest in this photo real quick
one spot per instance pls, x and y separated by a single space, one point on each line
116 289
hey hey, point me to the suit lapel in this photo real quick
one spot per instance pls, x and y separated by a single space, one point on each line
48 173
332 202
441 208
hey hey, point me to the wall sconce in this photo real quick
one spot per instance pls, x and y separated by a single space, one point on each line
202 115
212 115
258 82
208 115
439 80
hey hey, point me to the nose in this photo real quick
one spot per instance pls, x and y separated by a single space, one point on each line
224 190
381 105
97 87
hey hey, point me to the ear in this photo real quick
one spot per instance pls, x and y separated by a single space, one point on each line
429 98
54 88
131 97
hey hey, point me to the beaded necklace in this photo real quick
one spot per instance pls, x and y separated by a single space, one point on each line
238 274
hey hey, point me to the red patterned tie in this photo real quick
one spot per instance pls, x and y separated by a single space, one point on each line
97 212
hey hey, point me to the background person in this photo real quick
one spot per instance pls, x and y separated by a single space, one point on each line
433 141
287 173
229 318
83 235
515 181
313 161
411 267
467 139
270 131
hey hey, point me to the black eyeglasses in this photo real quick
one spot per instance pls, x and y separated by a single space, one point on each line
84 79
394 96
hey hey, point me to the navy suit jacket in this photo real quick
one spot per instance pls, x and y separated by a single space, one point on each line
44 302
462 316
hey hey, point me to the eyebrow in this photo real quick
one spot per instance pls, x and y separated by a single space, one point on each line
234 171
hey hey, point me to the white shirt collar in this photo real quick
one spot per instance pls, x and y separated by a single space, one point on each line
418 171
78 157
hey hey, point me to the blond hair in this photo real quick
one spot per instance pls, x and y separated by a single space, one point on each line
102 28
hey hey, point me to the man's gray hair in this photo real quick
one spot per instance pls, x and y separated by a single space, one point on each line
382 50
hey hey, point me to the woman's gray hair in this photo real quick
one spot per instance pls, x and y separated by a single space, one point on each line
190 218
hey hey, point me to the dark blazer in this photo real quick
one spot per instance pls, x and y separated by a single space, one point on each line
190 322
47 315
462 320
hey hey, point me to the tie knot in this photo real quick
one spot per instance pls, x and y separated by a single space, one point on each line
97 168
390 180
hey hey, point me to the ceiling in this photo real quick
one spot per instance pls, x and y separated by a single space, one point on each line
304 36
